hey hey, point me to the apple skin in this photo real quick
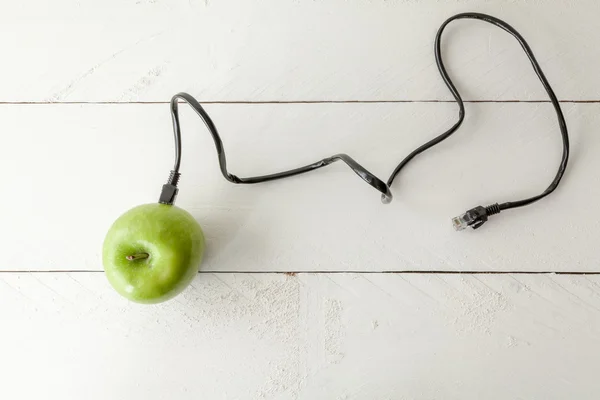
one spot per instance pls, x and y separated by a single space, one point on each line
175 246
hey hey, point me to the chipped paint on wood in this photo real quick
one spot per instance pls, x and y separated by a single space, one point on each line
311 336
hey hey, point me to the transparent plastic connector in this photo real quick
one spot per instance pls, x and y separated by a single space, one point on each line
474 218
462 221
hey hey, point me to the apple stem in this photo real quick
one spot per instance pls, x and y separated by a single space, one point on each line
139 256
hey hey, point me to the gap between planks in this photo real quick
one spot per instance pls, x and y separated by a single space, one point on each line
400 272
296 102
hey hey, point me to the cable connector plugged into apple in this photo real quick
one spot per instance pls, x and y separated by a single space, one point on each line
169 189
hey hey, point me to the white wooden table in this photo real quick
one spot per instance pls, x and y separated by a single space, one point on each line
311 288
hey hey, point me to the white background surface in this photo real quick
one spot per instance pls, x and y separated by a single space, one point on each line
86 134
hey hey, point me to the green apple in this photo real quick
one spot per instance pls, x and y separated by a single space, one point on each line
152 252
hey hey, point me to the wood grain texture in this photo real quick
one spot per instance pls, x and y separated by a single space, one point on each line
272 336
70 170
274 50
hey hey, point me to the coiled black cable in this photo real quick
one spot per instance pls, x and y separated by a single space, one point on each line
474 217
461 115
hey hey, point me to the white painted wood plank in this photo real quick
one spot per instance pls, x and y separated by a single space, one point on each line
69 170
268 50
326 336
